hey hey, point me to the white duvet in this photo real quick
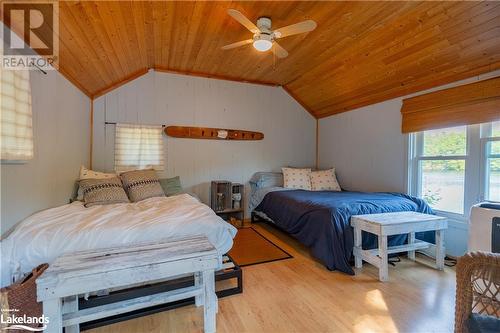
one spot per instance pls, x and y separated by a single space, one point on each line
46 235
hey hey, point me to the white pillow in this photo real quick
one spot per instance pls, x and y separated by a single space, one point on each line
324 180
91 174
297 178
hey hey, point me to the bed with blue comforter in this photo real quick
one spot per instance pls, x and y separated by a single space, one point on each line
321 220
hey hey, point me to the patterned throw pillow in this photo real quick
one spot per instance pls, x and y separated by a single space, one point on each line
141 184
324 180
103 191
297 178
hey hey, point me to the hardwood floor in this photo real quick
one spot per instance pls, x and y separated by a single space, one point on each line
300 295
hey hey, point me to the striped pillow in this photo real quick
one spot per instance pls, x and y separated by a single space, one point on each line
103 191
141 184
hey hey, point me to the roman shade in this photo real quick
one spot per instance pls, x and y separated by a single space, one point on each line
138 147
15 117
463 105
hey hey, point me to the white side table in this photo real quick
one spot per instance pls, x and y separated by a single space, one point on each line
387 224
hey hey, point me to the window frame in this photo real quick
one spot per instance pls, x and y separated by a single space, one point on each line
476 159
486 137
415 174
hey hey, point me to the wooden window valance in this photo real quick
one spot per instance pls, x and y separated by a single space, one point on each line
463 105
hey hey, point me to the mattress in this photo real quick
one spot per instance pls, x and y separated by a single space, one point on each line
44 236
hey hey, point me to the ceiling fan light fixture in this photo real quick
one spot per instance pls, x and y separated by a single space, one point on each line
262 45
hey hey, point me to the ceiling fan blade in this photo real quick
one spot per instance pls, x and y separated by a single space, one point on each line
279 51
237 44
243 20
294 29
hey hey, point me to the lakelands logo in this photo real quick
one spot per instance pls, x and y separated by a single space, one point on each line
15 322
30 34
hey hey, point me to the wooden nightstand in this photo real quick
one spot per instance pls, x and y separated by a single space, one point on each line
227 201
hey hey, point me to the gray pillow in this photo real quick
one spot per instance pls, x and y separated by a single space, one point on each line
267 179
171 186
103 191
141 184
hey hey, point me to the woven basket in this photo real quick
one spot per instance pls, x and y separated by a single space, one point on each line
21 295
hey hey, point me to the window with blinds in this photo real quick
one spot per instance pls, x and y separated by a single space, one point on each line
138 147
15 116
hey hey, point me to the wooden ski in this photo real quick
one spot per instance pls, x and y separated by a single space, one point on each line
188 132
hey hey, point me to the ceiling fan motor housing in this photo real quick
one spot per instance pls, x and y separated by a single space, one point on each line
265 33
264 24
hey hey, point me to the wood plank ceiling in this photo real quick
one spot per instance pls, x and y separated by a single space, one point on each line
361 53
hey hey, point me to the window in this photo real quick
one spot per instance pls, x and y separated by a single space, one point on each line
491 143
138 147
457 167
16 118
441 156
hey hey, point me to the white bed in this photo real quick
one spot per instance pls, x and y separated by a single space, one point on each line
50 233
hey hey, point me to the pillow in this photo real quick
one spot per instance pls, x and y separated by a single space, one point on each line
90 174
324 180
103 191
171 186
267 179
297 178
141 184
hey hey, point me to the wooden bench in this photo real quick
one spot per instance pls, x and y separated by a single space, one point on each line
387 224
86 272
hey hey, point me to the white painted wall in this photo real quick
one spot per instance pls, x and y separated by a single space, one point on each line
369 151
170 99
61 130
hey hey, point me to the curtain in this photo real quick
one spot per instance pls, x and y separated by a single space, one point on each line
468 104
138 147
15 116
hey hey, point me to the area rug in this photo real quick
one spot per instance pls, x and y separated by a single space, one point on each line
251 248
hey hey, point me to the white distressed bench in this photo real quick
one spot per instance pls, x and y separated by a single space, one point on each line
387 224
86 272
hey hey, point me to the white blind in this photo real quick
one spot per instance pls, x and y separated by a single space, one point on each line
16 137
138 147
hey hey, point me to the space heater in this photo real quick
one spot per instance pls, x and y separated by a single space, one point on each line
484 227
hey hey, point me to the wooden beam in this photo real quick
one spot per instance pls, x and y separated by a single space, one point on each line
120 83
75 82
302 103
91 132
317 143
214 76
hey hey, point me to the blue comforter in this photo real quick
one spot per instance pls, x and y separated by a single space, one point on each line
321 220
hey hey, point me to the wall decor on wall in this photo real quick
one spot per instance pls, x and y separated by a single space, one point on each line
188 132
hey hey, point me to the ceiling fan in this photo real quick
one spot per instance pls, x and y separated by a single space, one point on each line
264 38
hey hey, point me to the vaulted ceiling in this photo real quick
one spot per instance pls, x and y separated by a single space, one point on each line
361 52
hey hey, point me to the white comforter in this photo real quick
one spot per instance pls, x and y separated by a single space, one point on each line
48 234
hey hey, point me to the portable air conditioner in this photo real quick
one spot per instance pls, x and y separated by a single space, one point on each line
484 227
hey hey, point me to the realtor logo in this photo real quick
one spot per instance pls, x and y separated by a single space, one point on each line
30 34
10 321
